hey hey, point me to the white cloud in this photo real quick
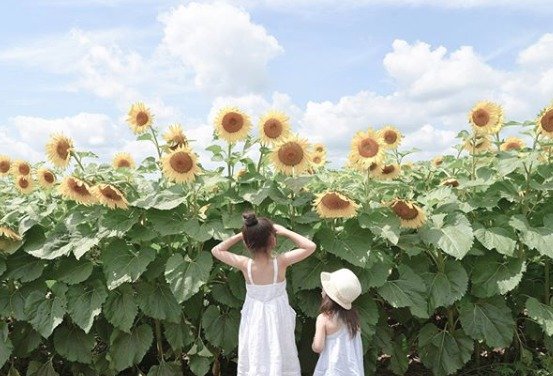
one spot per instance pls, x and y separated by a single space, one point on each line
539 55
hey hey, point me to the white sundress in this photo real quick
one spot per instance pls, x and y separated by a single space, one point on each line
342 355
266 342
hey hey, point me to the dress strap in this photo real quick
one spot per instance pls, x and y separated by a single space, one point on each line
250 271
275 270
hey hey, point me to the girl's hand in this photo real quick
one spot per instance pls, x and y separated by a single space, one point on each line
279 229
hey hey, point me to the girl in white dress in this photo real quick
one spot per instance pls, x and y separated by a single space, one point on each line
266 343
337 332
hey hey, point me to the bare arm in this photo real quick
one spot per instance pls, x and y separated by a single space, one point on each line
318 344
305 246
220 252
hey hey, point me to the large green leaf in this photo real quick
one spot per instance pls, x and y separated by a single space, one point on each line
38 369
73 271
157 301
221 292
382 222
128 349
502 239
377 273
368 314
24 338
447 286
179 335
489 320
350 244
46 311
541 313
165 369
124 263
196 231
6 346
407 290
185 276
493 274
165 222
454 235
442 351
306 275
120 307
24 267
221 328
84 302
74 344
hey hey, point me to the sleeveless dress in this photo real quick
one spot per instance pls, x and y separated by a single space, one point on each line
342 355
266 342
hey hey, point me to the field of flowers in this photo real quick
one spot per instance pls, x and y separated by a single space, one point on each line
106 269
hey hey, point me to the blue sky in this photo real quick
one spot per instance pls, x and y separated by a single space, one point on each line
77 65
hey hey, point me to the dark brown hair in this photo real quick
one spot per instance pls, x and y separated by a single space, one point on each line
257 232
348 316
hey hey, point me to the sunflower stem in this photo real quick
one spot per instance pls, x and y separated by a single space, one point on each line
229 165
473 173
546 287
158 339
77 159
156 143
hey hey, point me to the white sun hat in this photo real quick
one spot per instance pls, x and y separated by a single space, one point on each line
342 286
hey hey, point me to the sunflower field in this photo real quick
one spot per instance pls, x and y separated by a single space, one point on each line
106 268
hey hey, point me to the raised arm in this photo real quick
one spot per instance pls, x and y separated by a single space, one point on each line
305 246
319 338
220 252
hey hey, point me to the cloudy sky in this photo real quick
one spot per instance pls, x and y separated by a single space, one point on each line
335 66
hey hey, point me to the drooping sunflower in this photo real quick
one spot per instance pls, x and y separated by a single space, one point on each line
319 148
24 184
175 137
5 165
139 118
58 150
366 148
77 190
318 160
375 169
123 160
273 127
410 214
109 196
332 204
232 125
7 233
512 143
387 172
9 240
46 178
20 168
544 122
486 117
452 182
478 146
390 136
180 165
437 161
291 155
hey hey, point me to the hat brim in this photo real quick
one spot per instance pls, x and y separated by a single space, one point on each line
331 291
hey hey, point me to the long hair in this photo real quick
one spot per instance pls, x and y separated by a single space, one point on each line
257 232
348 316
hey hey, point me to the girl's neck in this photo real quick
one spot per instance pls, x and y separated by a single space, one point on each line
263 257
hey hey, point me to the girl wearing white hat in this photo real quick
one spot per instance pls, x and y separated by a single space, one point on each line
337 334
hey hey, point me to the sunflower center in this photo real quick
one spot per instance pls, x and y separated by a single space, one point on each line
319 149
78 187
4 166
290 154
404 211
317 159
333 202
481 117
388 169
181 162
123 163
23 183
272 128
451 183
110 193
62 149
513 145
390 137
368 148
142 118
49 177
233 122
373 166
547 121
24 169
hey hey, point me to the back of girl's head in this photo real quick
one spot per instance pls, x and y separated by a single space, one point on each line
348 316
257 232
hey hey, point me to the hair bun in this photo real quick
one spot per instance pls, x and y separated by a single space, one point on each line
249 219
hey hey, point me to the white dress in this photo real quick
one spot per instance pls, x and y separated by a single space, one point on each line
266 342
342 355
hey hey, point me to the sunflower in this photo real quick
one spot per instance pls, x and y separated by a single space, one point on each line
24 184
387 172
175 137
318 160
478 146
58 150
390 136
291 155
319 148
544 122
5 165
232 124
180 165
77 190
21 168
410 215
437 161
486 117
140 118
454 183
512 143
334 205
123 160
9 240
6 233
366 148
273 127
109 196
46 178
375 169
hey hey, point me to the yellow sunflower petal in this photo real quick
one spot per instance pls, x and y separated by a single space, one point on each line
291 155
366 148
7 233
232 125
544 122
318 160
123 160
334 205
175 137
46 178
512 143
319 148
77 190
273 127
410 215
390 137
486 117
478 146
58 150
24 184
139 118
10 241
21 168
180 165
5 165
109 196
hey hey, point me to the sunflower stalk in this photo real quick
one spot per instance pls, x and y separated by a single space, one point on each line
546 287
77 159
229 166
473 158
159 344
156 143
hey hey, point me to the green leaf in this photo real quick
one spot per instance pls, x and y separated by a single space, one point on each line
128 349
74 344
539 239
157 301
399 355
445 288
258 196
37 369
306 275
46 311
457 236
408 290
165 369
499 238
379 271
185 276
489 320
6 346
120 307
24 267
199 365
25 339
541 313
382 223
124 263
442 351
84 302
493 274
193 229
222 294
39 246
309 302
165 222
349 244
232 220
73 271
221 328
368 314
178 335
